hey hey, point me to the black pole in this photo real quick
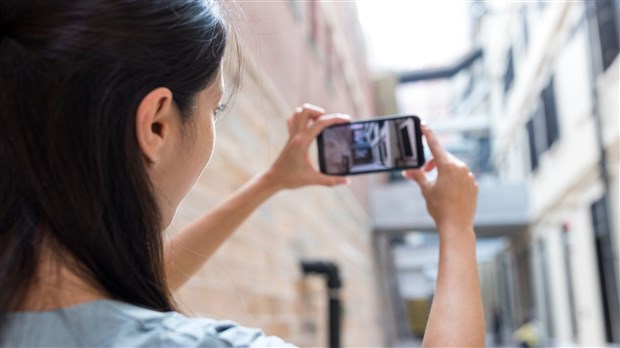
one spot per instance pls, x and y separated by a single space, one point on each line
334 318
330 271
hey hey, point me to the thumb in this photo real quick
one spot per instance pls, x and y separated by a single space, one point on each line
418 176
329 180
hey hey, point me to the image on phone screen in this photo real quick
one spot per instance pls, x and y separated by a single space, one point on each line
376 145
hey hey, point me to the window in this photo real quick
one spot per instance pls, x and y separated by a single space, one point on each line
329 46
294 7
314 25
383 150
606 272
607 21
484 155
509 73
329 59
532 143
524 27
551 117
566 250
543 127
314 22
547 304
406 142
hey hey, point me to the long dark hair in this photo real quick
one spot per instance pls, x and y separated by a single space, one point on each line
72 176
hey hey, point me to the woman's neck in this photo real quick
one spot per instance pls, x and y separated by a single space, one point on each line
56 285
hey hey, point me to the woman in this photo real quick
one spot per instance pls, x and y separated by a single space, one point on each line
106 121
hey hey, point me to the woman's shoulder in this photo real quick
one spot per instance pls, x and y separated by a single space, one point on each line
116 323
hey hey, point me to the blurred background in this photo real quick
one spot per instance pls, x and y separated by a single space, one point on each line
525 92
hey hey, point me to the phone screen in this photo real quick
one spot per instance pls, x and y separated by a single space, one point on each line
377 145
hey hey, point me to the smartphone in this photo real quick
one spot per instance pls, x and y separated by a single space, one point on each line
376 145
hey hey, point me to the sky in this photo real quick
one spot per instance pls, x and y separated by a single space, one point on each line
413 34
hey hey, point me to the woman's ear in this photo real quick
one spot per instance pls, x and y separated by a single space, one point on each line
155 118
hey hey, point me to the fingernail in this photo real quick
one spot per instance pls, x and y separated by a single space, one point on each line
343 181
315 107
299 109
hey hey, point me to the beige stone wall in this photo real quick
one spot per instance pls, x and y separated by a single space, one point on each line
255 278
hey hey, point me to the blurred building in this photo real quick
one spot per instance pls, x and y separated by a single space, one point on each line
289 52
533 109
459 112
552 69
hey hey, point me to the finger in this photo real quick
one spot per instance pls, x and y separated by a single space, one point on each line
289 125
430 165
324 122
329 180
439 153
472 177
314 116
418 176
455 160
303 114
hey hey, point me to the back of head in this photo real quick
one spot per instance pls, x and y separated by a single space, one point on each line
72 177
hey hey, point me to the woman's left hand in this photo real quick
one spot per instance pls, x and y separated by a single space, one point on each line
293 167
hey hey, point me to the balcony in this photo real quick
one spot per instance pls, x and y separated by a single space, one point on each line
400 208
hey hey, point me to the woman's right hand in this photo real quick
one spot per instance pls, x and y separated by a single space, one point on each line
452 197
456 317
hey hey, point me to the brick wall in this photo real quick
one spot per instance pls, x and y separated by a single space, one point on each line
255 278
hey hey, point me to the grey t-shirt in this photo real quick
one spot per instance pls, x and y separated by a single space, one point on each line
116 324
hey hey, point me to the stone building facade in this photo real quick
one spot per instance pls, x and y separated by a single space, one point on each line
291 52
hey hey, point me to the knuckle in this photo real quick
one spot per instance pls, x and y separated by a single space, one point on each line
322 123
301 110
450 166
442 161
297 140
309 108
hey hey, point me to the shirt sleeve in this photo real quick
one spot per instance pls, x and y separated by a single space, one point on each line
239 336
204 332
